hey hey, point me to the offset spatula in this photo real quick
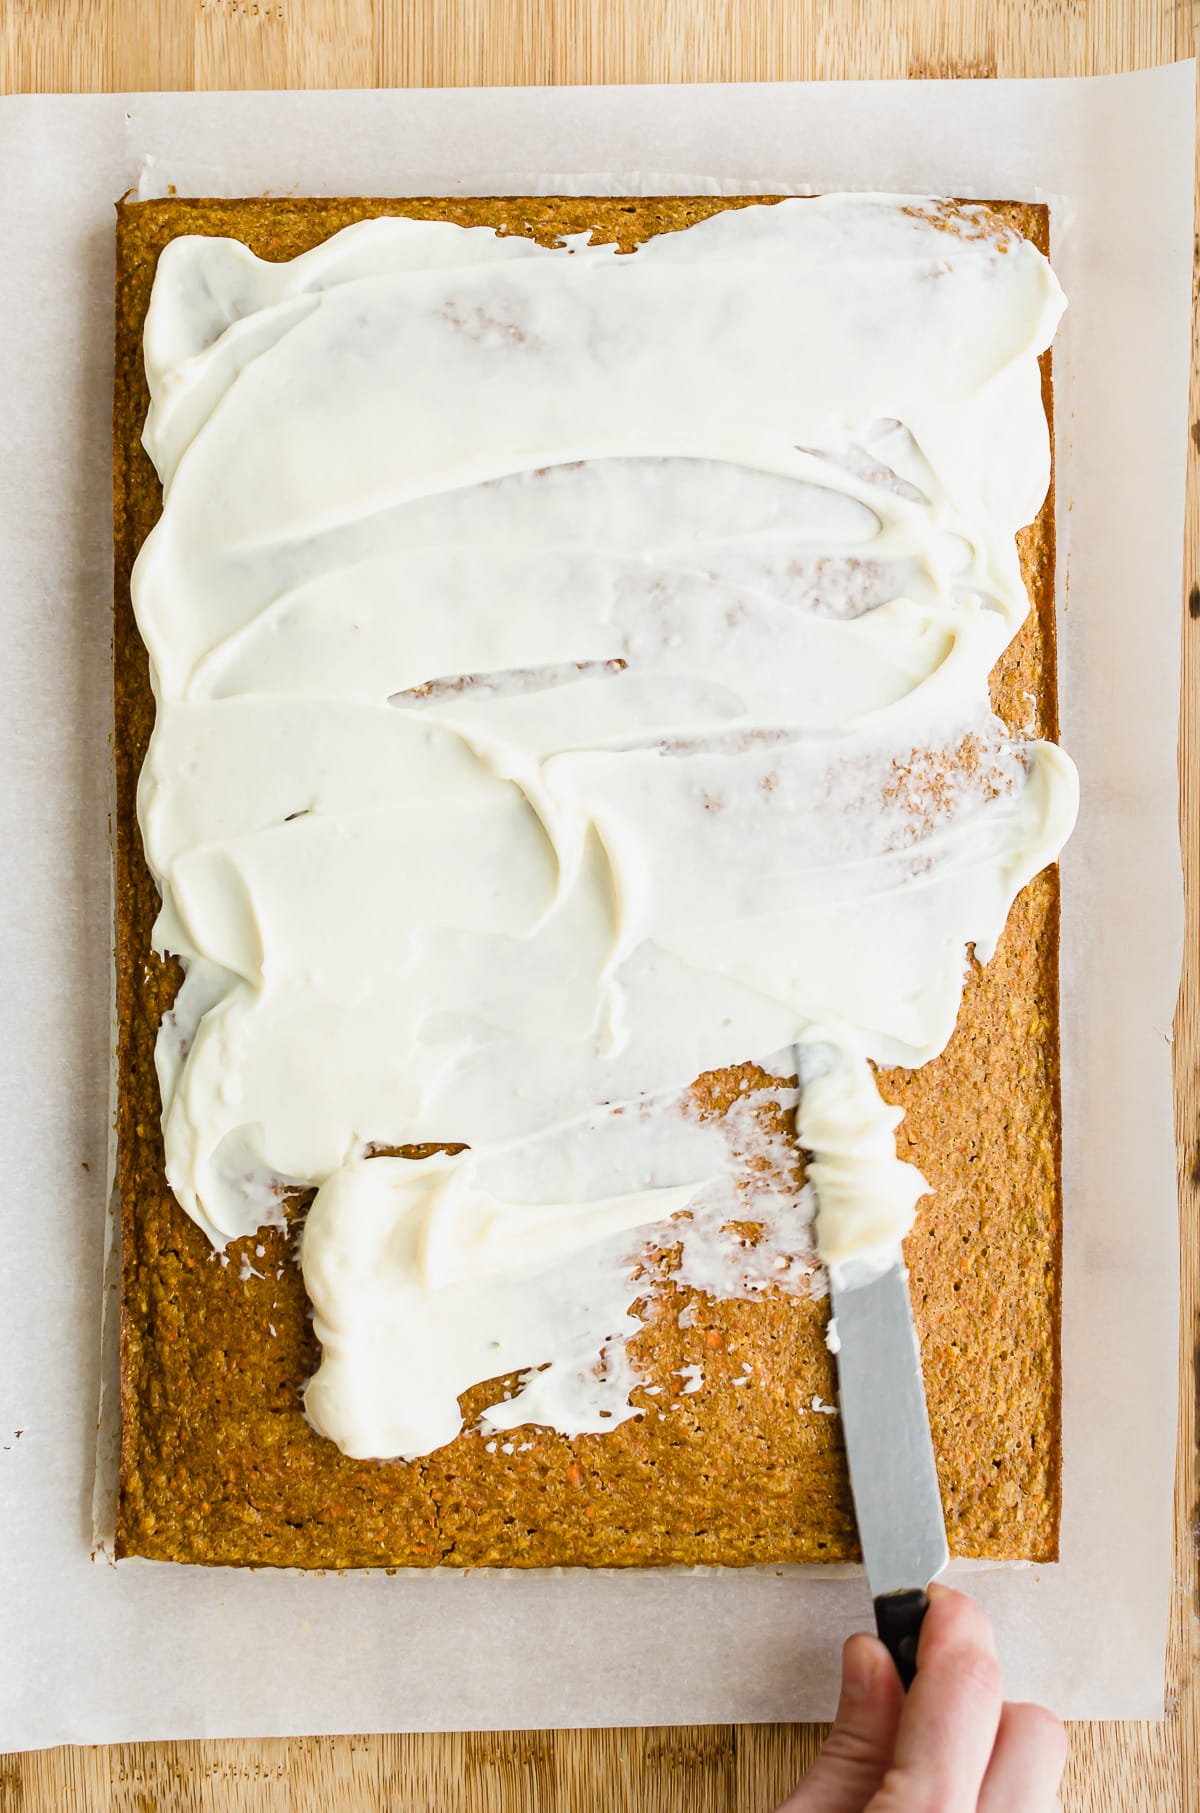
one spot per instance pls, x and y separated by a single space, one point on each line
886 1429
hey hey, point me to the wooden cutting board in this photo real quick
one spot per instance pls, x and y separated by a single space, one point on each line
55 45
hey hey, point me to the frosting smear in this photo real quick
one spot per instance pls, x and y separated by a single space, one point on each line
572 677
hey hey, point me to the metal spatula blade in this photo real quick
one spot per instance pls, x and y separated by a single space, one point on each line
885 1424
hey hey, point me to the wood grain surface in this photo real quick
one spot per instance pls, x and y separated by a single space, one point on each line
56 45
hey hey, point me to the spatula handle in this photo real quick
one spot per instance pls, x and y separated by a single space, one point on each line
898 1618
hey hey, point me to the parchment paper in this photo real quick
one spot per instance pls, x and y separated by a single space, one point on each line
92 1653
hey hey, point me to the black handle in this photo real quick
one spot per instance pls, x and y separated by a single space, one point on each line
898 1618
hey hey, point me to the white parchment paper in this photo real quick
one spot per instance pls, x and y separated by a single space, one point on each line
92 1653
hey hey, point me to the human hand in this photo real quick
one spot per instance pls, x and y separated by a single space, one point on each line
951 1745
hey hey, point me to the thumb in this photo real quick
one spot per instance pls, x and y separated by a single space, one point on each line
858 1751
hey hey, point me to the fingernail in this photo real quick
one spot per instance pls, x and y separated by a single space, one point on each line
859 1661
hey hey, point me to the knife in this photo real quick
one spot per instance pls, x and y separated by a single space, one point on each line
885 1424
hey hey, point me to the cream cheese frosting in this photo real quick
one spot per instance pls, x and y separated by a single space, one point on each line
572 676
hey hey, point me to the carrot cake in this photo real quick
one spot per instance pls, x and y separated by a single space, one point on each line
575 669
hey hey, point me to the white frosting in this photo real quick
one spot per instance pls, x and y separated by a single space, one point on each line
567 665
